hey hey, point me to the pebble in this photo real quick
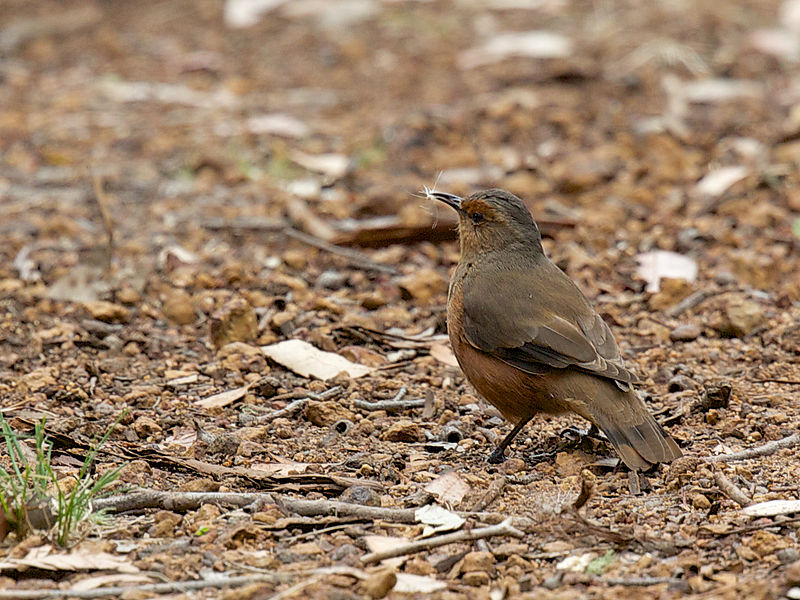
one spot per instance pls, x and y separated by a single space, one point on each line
741 318
179 308
325 414
226 444
379 584
792 572
685 333
478 561
679 383
108 312
236 321
404 431
331 280
422 285
145 426
359 494
476 578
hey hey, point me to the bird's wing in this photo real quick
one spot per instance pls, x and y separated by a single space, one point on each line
537 317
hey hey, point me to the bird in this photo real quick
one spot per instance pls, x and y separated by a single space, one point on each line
530 342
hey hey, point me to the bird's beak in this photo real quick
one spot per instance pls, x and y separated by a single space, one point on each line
449 199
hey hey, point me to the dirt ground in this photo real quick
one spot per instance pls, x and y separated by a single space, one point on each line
178 191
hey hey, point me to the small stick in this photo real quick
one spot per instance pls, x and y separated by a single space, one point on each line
356 258
102 199
641 581
690 301
504 528
491 494
730 490
153 588
282 412
395 403
765 450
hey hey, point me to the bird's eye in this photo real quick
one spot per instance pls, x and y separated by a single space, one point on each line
476 217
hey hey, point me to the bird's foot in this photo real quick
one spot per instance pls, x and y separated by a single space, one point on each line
496 457
570 438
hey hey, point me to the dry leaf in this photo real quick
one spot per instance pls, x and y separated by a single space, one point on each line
332 165
448 488
717 182
772 508
379 543
77 560
437 519
443 353
530 44
308 361
408 583
92 583
279 468
223 398
655 265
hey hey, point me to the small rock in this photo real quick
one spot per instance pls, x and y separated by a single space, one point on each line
179 308
793 593
128 295
404 431
679 383
765 543
685 333
236 321
331 280
145 426
701 502
793 573
266 387
200 484
379 584
672 291
790 555
422 285
325 414
373 300
226 444
108 312
359 494
741 318
509 549
297 259
513 465
478 561
475 578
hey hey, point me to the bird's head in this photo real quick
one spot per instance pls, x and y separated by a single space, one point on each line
492 220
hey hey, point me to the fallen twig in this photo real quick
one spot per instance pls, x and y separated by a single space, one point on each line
491 494
282 412
504 528
102 199
356 258
765 450
153 588
642 581
690 301
730 490
185 586
396 403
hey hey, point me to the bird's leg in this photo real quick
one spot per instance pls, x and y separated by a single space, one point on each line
498 454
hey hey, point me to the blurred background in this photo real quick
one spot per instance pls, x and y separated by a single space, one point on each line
182 182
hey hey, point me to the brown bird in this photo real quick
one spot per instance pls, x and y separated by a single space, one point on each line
529 341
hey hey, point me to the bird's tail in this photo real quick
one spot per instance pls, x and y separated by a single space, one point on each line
635 434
